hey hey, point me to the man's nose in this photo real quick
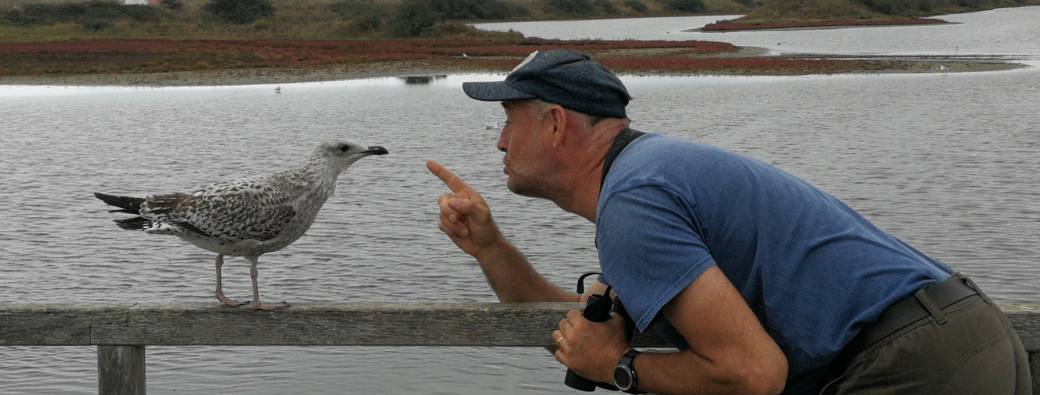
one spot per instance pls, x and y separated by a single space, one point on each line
502 141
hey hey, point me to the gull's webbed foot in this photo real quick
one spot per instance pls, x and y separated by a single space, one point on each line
228 301
268 306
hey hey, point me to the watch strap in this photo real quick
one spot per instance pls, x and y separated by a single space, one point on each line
628 360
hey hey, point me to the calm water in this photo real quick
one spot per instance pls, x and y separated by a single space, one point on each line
1006 31
949 163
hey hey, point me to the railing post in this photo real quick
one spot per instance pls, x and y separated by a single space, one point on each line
121 370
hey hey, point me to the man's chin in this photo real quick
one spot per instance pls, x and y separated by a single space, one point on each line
512 185
517 187
523 189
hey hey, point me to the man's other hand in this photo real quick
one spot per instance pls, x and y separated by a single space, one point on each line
590 349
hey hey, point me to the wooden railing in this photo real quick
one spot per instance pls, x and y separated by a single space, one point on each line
121 332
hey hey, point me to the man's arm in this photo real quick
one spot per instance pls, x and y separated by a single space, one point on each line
730 352
466 219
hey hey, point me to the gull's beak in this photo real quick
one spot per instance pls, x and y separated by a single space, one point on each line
375 150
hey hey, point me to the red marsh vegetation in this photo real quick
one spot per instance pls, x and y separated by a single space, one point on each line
133 56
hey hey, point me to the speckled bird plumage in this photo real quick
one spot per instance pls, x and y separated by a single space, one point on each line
249 216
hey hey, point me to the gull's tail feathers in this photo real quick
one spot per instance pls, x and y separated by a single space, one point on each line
135 223
129 205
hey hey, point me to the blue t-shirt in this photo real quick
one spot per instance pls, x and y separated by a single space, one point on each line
812 270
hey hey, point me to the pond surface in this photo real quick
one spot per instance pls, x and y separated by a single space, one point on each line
1004 31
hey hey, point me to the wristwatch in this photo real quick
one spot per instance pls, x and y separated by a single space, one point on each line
625 372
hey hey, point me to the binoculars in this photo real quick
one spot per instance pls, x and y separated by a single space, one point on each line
597 309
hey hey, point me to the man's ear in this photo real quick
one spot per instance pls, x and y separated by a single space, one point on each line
560 127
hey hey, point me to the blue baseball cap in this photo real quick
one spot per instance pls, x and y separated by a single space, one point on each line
567 78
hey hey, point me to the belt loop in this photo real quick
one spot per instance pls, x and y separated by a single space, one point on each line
971 284
928 304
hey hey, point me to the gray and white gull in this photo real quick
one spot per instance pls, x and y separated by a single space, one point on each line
247 217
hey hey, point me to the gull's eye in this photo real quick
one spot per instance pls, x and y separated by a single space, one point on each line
344 147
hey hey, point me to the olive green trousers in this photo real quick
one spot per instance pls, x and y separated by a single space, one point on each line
975 351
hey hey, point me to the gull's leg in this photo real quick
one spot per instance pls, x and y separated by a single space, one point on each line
256 305
220 292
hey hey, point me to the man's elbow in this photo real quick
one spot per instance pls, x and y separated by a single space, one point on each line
768 377
765 386
760 376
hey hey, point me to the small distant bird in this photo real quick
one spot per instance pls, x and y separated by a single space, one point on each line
246 217
277 90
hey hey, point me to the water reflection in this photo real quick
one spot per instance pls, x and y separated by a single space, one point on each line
422 79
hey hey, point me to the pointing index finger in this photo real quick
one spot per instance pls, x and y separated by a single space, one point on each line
447 177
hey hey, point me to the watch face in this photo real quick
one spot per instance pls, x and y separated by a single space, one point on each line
622 377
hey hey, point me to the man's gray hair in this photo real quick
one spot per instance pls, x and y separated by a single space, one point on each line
538 108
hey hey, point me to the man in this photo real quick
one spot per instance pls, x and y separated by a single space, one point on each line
766 283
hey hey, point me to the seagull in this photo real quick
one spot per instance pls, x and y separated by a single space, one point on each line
245 217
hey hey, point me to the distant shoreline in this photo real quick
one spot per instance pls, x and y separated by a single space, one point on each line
228 77
287 76
247 62
740 24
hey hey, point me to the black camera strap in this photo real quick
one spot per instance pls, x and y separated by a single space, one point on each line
660 325
620 142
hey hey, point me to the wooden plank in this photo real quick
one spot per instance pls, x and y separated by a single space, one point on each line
354 324
368 324
1026 319
46 325
121 331
121 370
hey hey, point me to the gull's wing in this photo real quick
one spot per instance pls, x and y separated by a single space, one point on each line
247 209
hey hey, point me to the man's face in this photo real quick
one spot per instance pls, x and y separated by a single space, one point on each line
523 139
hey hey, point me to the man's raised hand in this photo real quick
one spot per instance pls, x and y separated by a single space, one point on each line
465 216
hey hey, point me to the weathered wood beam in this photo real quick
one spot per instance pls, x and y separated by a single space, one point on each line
356 324
122 331
1026 319
353 324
